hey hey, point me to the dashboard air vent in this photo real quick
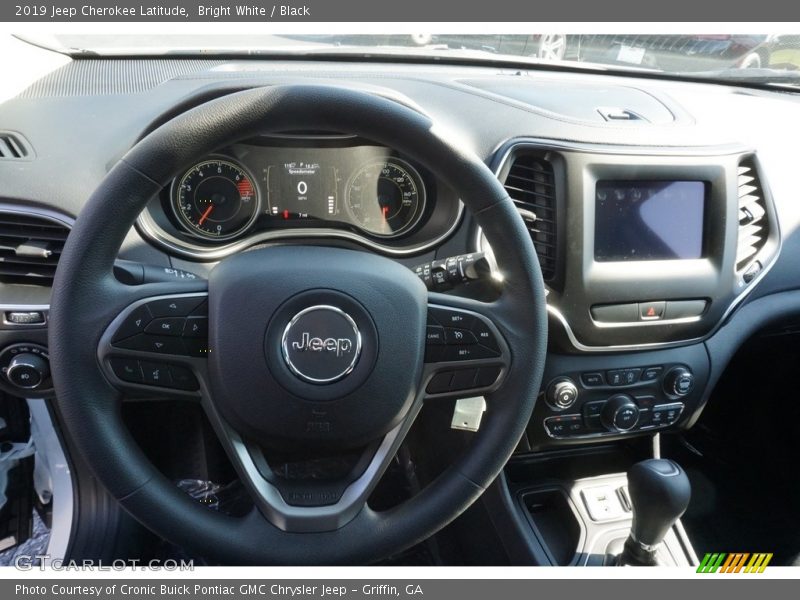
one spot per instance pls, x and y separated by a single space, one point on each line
531 184
30 246
13 146
753 225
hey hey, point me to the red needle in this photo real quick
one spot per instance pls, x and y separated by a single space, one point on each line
385 211
205 214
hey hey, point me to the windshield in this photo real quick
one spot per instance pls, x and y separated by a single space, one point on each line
761 58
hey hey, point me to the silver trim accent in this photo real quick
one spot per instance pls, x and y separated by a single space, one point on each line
10 325
150 230
49 450
545 144
285 344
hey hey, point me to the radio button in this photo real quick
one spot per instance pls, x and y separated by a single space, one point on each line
616 313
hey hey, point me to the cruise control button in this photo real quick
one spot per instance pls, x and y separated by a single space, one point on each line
174 307
127 369
183 378
156 374
484 334
459 336
134 323
651 311
166 326
196 327
467 352
451 318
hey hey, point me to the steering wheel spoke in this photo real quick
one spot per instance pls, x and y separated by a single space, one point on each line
158 345
303 492
465 352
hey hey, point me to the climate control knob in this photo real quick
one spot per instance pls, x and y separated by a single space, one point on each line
27 370
620 413
562 394
679 382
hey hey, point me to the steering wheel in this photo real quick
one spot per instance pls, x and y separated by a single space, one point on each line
309 351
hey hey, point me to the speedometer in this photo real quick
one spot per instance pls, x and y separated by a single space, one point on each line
215 199
385 197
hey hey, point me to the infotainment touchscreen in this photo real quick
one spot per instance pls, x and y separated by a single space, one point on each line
649 220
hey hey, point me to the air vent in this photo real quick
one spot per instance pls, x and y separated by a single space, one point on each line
13 146
753 225
30 246
531 184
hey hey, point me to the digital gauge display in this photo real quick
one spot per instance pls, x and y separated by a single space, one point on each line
302 190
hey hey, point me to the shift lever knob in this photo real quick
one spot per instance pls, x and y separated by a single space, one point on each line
659 491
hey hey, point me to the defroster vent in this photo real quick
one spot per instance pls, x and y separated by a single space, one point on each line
531 184
30 246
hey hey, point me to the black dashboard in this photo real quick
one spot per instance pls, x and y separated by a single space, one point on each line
652 233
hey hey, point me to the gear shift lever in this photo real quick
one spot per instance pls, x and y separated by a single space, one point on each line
659 491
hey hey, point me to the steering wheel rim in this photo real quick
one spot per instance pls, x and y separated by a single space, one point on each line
87 298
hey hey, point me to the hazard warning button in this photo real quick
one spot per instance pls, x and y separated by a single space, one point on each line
651 311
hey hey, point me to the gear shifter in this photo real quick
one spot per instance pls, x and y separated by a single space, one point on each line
659 491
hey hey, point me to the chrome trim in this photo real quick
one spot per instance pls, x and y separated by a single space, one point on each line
555 145
285 344
11 326
150 230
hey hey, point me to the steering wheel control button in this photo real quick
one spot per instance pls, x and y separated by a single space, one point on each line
183 378
434 335
679 382
459 337
487 377
592 379
134 323
156 374
321 344
620 413
562 394
158 344
651 311
127 369
196 327
466 337
166 326
440 383
174 307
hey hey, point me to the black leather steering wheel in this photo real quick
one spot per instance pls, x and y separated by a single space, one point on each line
266 308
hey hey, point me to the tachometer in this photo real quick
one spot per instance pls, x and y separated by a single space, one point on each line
215 199
385 197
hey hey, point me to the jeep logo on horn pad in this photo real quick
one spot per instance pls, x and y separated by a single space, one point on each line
321 344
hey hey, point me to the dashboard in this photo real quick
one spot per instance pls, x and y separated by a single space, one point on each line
657 237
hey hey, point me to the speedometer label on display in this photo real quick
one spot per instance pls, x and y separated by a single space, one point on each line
385 198
216 200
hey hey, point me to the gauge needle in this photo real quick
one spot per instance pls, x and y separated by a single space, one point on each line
205 214
385 211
